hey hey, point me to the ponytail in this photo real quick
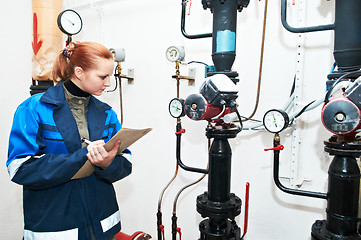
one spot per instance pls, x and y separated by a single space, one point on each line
84 55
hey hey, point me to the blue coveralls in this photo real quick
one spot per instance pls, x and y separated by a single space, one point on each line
45 152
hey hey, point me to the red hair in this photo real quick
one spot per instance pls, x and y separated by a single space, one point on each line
84 55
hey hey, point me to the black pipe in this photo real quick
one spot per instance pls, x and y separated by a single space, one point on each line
178 150
174 227
159 224
343 192
300 29
219 177
218 204
183 20
224 34
276 154
347 48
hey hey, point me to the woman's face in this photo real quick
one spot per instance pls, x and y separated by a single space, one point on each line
95 81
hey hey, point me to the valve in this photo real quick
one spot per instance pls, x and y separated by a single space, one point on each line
179 232
162 228
190 5
279 147
181 131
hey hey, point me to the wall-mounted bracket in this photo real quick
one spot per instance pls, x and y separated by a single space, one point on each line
190 79
129 76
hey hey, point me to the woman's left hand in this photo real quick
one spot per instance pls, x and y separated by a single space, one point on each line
98 156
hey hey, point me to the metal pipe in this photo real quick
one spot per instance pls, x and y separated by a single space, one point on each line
276 153
300 29
347 44
343 191
183 19
174 227
224 34
159 224
219 185
180 163
260 63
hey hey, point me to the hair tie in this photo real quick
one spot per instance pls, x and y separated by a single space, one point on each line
67 53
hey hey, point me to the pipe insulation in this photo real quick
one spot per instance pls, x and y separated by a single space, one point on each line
47 38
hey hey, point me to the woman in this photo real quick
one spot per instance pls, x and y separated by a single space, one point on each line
67 185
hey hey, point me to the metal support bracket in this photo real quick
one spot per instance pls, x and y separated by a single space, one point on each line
296 133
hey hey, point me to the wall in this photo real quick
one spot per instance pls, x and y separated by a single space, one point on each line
145 29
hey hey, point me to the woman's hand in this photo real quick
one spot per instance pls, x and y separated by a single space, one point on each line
98 156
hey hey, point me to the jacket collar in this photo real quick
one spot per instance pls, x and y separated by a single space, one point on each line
56 96
65 121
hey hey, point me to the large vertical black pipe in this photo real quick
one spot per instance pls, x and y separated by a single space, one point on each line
219 175
224 34
347 45
218 204
343 192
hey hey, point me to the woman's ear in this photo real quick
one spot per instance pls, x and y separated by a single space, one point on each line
78 72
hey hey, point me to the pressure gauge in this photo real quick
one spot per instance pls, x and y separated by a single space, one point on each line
275 120
175 54
176 107
69 22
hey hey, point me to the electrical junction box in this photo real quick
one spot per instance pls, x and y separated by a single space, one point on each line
209 69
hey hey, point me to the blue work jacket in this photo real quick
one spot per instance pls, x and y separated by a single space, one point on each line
44 154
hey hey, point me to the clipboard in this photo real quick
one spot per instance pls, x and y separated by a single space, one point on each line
127 137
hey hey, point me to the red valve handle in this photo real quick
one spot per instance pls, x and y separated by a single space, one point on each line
190 5
279 147
162 228
181 131
245 226
180 233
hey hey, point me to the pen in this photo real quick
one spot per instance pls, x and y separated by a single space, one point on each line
85 140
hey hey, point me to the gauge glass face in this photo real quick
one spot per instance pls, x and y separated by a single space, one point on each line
174 54
176 108
70 22
275 121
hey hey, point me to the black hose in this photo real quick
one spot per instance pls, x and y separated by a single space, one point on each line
300 29
302 111
205 64
116 75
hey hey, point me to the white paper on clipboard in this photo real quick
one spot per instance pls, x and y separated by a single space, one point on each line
127 137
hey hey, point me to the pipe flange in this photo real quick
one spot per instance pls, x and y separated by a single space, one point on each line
228 209
230 231
344 148
222 133
320 232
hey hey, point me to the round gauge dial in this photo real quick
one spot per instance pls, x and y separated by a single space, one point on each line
176 107
175 54
275 120
69 22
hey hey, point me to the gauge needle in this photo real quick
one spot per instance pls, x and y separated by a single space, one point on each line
274 120
70 22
